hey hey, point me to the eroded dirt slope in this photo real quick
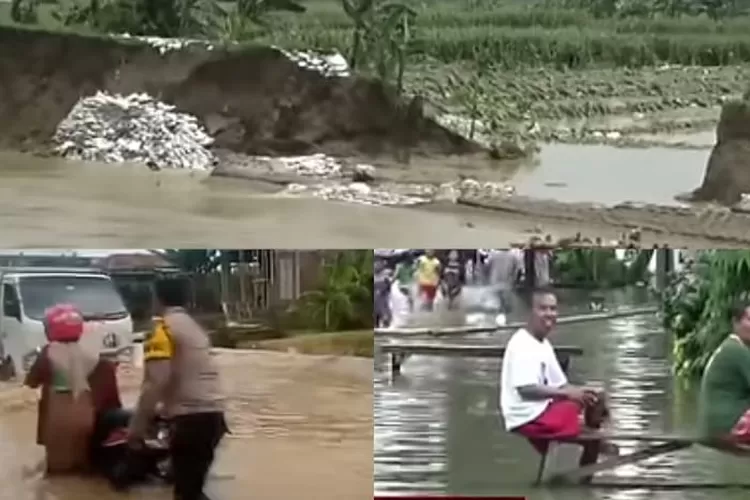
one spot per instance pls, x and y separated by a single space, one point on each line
254 99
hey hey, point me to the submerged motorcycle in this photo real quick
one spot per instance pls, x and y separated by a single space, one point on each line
110 454
124 466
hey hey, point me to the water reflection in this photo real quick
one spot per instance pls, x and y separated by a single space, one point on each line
443 432
655 175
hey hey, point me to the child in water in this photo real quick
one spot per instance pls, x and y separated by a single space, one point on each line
453 278
405 279
382 282
428 278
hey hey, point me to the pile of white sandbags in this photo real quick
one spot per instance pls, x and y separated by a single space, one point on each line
452 191
354 192
135 128
328 65
164 45
331 64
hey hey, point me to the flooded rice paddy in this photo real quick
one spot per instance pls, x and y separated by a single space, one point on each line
438 429
607 175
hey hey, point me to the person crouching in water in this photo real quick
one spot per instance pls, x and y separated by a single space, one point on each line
536 399
66 408
453 279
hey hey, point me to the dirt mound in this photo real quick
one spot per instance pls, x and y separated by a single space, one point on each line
728 170
253 100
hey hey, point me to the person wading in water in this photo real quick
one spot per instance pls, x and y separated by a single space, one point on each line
453 279
428 278
405 279
67 408
181 372
382 281
536 399
724 400
503 271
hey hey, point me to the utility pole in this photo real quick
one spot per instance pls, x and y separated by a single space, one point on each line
529 268
664 266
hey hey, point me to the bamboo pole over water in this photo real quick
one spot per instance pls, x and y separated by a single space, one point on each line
464 330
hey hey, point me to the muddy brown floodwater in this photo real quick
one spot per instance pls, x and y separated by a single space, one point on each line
48 200
43 201
302 428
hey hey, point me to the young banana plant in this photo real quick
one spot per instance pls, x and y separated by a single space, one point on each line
396 21
360 12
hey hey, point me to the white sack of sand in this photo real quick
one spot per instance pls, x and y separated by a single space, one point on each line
136 129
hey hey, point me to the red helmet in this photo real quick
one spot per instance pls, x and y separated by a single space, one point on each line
63 323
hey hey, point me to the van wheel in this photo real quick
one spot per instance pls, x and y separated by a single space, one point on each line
7 369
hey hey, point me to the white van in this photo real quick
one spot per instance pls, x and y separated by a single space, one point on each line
26 293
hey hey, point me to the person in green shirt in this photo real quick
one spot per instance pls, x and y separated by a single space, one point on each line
724 401
405 278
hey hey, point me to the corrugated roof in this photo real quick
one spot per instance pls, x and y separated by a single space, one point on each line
131 261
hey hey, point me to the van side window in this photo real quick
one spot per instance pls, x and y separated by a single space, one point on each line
10 300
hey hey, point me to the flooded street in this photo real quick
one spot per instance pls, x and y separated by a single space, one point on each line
285 411
438 429
92 205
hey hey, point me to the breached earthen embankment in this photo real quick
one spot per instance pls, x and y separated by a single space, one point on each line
252 99
727 177
712 223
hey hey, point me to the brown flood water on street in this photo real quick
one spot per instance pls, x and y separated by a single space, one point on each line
49 201
302 428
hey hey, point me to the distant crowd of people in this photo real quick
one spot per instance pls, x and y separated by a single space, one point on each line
421 276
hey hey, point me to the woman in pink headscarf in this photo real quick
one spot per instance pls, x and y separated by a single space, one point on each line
66 409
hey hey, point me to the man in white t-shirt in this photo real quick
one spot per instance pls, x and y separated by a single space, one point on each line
536 399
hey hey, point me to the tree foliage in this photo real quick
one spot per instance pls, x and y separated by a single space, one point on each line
163 18
697 302
344 298
600 268
380 37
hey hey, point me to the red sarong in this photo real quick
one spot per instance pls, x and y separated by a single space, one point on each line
428 291
741 430
561 420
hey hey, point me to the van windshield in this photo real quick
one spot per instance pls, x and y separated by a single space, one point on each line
96 297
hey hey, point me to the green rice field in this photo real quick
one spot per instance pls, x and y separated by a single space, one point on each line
550 72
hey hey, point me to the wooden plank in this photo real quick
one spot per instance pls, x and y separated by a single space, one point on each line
640 437
659 485
576 475
565 320
464 350
557 453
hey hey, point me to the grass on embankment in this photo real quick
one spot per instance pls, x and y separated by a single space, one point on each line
348 343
